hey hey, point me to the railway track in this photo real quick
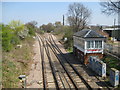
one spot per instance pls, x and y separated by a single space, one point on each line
78 79
60 78
51 64
63 70
60 75
43 64
47 74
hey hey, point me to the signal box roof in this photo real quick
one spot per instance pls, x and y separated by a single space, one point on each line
88 33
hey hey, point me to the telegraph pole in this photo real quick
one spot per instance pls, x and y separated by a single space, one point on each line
63 20
114 29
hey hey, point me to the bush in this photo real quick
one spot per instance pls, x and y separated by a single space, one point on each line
31 26
6 38
69 42
31 32
12 33
15 40
6 45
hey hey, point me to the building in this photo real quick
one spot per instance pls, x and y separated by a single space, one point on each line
88 43
104 33
113 32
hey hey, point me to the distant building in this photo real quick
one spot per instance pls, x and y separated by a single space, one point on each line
113 32
104 33
88 43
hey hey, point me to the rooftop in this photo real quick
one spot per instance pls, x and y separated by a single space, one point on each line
88 33
111 29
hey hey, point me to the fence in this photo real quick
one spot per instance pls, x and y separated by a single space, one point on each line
97 66
112 49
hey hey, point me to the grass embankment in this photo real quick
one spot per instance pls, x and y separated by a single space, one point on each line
16 62
111 62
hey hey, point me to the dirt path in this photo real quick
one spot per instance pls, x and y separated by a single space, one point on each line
34 79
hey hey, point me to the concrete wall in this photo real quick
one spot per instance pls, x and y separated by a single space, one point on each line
97 66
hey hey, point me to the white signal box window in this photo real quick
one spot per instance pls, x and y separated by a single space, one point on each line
90 44
94 44
98 44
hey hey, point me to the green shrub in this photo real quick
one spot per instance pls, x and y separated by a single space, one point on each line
112 62
6 39
69 35
15 40
6 45
31 31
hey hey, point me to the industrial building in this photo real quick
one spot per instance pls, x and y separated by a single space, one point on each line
88 43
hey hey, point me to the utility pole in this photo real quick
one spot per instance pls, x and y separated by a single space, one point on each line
114 29
63 20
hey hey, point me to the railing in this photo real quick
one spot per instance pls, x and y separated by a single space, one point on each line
112 49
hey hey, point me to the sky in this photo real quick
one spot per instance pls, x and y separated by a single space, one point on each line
45 12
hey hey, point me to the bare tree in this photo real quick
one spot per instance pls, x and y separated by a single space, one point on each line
110 7
78 16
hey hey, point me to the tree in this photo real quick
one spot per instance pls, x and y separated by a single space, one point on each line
48 28
69 35
57 24
110 7
7 34
16 25
78 16
31 26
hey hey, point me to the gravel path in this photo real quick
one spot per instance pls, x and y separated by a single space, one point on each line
34 79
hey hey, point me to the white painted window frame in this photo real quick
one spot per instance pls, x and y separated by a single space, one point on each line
93 44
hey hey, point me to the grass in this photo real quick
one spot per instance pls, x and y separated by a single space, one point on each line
70 50
10 74
113 43
15 63
112 62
